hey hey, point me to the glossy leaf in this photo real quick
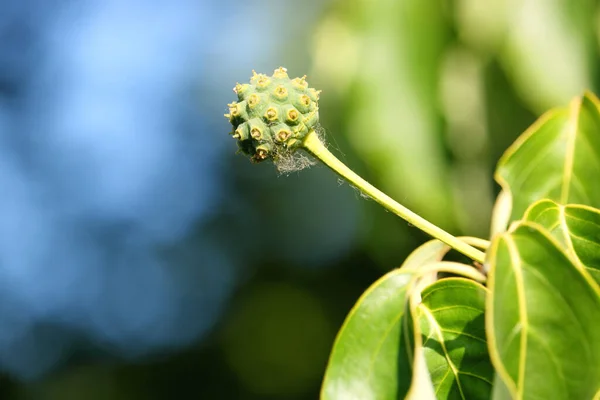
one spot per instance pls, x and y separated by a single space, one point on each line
576 227
372 357
542 318
556 158
451 317
501 213
378 353
500 391
421 387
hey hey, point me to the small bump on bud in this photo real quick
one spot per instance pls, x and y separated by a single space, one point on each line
300 83
300 130
256 133
257 128
283 134
303 103
280 73
314 94
271 114
255 77
238 112
311 118
239 89
263 82
292 115
304 99
253 100
262 152
280 93
241 133
260 80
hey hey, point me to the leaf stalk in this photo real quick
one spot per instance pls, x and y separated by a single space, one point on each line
314 146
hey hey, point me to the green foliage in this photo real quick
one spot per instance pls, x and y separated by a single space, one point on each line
372 357
542 319
451 316
572 225
558 158
380 341
273 114
374 350
532 331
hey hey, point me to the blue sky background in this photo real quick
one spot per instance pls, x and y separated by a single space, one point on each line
112 149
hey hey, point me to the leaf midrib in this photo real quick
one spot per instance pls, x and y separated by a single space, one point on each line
436 329
518 275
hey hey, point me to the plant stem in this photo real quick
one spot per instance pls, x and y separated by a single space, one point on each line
313 145
452 268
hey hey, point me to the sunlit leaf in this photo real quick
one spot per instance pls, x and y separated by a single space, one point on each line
378 353
556 158
542 318
576 227
373 353
452 323
500 391
371 358
501 213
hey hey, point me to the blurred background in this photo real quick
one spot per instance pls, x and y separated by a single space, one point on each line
141 258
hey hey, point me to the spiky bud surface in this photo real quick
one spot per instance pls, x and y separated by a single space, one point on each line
273 114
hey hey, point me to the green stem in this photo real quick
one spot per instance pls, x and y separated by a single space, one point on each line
313 145
452 268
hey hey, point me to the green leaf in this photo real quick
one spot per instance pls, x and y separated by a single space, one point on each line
542 318
421 387
378 352
500 390
451 317
371 357
576 227
556 158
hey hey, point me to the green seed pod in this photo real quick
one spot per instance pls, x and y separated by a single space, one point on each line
273 114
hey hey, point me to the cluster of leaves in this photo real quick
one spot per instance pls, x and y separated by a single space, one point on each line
532 329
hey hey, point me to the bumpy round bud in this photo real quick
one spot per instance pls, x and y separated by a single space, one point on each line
273 114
